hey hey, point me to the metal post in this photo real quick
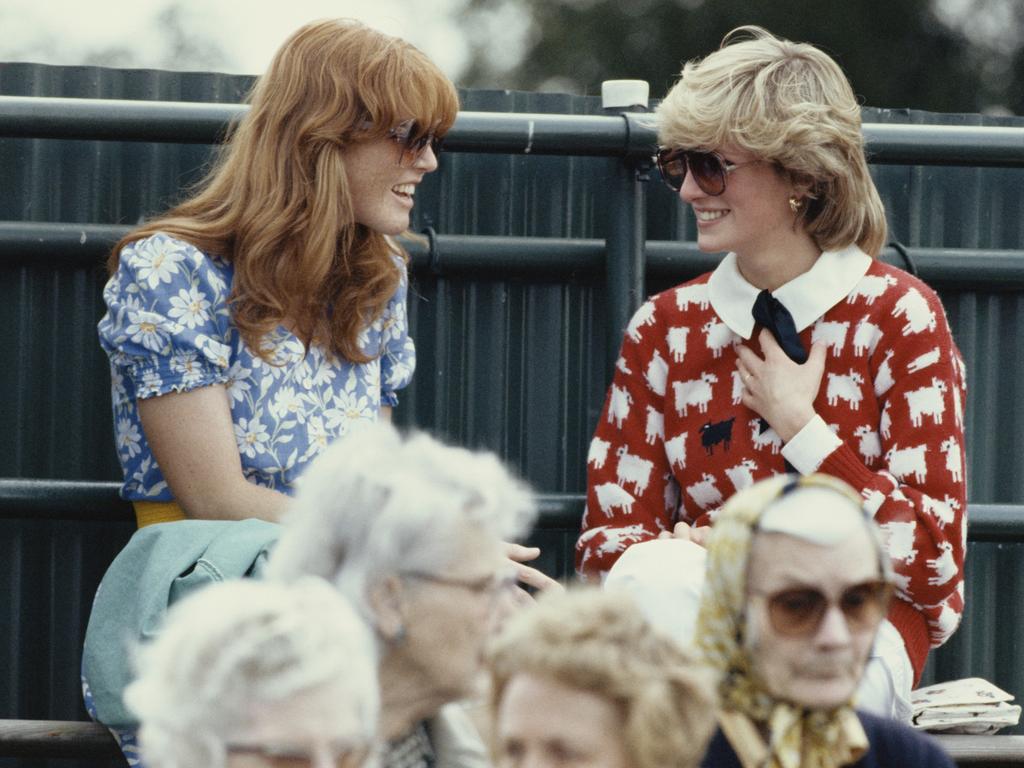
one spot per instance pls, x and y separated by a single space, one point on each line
627 230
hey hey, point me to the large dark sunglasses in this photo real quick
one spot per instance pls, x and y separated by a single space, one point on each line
709 169
414 140
799 612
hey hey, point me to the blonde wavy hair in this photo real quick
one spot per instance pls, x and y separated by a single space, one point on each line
788 103
600 642
277 204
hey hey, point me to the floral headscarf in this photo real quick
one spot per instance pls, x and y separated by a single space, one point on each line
799 737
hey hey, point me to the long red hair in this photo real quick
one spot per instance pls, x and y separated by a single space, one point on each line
276 202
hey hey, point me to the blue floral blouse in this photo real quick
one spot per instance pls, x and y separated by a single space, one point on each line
168 329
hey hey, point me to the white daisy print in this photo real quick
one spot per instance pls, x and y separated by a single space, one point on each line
157 260
190 307
251 437
144 328
128 438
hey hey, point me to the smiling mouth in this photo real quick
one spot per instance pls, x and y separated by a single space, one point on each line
405 191
710 215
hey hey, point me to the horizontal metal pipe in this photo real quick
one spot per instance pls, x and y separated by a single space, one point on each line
963 268
204 123
91 500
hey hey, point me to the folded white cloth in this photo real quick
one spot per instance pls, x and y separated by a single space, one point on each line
971 705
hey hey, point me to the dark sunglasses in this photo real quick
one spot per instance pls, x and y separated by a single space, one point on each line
414 140
799 612
709 169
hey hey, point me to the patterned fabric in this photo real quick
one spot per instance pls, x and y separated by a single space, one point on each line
411 751
798 737
674 440
127 739
168 329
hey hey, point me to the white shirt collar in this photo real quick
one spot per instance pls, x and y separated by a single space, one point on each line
807 296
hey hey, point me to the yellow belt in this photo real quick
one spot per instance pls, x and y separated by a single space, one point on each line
151 512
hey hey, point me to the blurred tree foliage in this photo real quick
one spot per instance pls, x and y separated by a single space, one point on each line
897 53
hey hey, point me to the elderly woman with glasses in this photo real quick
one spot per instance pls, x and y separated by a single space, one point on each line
411 532
265 315
584 680
250 674
800 352
797 586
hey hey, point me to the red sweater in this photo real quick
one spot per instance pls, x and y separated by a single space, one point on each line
674 441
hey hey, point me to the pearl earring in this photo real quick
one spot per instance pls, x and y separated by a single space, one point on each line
795 204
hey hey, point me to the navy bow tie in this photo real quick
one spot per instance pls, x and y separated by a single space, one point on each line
770 312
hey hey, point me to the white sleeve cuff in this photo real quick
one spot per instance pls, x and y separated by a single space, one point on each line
811 446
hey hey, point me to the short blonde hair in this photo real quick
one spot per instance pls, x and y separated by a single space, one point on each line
600 642
788 103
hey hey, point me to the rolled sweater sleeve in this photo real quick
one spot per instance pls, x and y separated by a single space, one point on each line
918 497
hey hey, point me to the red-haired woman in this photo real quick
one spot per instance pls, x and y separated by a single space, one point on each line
261 318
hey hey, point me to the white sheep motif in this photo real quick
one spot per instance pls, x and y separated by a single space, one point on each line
769 437
617 539
692 294
655 426
737 388
914 308
845 387
923 361
610 496
677 343
621 365
885 421
742 475
870 447
866 337
717 336
597 455
954 465
884 379
943 511
946 623
903 462
675 450
832 333
899 540
704 493
927 401
943 565
643 316
873 501
694 392
871 287
618 406
657 374
633 469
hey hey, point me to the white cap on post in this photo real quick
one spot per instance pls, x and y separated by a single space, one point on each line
624 94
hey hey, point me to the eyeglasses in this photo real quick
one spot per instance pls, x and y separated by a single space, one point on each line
341 754
413 140
485 585
708 169
799 612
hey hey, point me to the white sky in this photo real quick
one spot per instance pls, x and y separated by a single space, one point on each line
241 34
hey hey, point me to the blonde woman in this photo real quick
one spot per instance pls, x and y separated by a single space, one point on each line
582 679
266 315
800 352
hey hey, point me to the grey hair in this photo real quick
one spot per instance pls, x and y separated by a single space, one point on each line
819 514
375 503
233 648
